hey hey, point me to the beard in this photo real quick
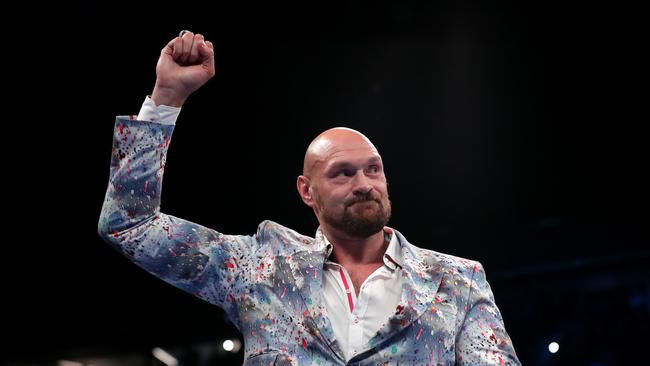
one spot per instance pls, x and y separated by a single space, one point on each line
361 216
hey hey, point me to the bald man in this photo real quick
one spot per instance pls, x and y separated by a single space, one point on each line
356 293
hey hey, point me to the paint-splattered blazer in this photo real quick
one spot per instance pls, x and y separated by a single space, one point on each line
270 283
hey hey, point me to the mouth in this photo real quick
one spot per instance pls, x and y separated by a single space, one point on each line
364 201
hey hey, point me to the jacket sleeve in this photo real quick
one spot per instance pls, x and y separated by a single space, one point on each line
189 256
482 338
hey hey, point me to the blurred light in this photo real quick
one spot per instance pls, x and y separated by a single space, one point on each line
72 363
164 357
553 347
231 345
228 345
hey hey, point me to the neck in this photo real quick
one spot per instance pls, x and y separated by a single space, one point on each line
351 251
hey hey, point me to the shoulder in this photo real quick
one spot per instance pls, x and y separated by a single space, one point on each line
433 261
270 233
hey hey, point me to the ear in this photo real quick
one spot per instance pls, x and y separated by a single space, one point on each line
304 184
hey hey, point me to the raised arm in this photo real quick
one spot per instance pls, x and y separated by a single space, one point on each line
189 256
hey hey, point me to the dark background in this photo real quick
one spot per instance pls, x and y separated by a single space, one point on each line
512 134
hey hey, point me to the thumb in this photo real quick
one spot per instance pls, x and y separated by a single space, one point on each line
169 47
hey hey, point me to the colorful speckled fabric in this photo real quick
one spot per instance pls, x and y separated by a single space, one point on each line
269 283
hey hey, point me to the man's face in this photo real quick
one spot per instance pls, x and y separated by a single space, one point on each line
350 190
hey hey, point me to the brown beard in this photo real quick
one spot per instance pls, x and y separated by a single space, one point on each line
359 226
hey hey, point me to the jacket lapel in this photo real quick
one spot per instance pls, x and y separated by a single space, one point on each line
307 270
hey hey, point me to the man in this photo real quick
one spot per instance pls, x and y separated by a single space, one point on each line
358 293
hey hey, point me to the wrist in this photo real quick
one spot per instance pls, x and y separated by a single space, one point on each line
167 96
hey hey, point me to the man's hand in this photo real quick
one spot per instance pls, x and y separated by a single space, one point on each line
185 64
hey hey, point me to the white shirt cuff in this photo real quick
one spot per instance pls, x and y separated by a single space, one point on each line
162 114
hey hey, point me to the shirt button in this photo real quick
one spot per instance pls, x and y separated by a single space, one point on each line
356 320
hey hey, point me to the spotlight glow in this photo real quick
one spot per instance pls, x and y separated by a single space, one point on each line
553 347
228 345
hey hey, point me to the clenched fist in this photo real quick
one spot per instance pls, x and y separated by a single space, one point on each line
185 64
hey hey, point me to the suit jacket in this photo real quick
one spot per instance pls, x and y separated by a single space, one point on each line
270 283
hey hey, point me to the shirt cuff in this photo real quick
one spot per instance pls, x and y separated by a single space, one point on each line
162 114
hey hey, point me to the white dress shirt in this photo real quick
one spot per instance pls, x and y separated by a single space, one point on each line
356 318
355 314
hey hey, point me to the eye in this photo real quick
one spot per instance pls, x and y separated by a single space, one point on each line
374 169
344 173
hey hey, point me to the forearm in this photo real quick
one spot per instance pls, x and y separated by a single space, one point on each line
137 165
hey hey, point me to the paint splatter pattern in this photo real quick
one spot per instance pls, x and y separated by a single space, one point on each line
269 283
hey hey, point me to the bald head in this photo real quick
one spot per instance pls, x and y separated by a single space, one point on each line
331 142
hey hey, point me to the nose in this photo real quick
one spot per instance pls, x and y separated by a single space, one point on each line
362 185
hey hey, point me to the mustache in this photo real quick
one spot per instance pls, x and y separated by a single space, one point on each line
362 198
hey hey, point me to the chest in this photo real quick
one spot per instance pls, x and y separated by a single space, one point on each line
359 274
